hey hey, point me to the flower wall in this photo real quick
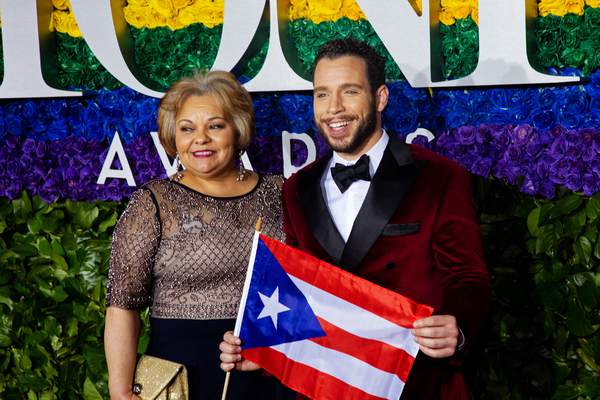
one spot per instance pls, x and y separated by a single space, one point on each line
533 153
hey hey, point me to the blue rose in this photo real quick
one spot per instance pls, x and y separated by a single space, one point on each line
15 125
57 130
543 118
263 108
498 97
520 115
58 109
570 119
131 112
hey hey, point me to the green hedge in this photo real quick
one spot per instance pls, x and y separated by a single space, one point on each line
541 341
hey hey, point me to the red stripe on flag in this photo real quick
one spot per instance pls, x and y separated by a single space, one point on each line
378 354
304 379
376 299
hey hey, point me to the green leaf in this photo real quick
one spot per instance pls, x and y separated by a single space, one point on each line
89 391
532 222
589 295
34 224
69 242
592 208
49 222
85 218
544 324
107 223
545 239
25 250
566 206
577 322
551 298
45 247
566 393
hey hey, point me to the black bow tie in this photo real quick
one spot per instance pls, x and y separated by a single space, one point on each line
344 176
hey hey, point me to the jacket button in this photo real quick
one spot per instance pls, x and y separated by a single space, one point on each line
390 265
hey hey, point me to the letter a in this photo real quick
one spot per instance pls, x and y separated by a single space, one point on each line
116 149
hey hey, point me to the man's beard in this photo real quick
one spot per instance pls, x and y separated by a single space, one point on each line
361 134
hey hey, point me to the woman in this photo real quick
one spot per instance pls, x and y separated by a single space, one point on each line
183 243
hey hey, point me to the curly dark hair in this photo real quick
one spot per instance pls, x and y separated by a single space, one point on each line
374 62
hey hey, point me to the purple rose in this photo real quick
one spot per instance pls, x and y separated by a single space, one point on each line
534 148
574 152
41 149
547 189
523 134
14 189
13 169
482 166
529 187
557 131
483 134
28 146
590 184
574 182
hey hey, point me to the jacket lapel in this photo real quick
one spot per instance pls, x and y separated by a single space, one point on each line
394 178
315 209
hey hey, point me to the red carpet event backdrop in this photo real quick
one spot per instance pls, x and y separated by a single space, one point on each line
533 152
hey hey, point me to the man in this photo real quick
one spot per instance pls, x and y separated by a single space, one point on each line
403 217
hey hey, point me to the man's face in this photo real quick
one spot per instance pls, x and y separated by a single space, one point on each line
346 114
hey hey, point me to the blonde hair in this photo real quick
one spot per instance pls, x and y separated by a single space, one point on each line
231 97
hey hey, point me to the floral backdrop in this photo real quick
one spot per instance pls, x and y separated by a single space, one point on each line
533 153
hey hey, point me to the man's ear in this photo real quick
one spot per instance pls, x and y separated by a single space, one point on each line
381 97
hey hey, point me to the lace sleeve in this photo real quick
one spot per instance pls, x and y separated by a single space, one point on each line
134 245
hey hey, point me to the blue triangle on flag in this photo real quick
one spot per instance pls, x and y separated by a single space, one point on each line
295 319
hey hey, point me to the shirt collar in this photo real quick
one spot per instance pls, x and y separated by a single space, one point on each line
375 154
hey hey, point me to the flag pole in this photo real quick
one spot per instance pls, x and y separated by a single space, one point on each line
242 303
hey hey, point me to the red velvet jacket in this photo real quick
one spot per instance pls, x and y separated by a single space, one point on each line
417 234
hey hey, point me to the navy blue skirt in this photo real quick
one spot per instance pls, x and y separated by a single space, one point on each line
195 344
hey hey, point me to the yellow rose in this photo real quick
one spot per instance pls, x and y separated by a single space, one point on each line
61 4
461 12
474 3
353 11
136 16
298 9
138 3
211 14
593 3
446 17
575 6
163 7
154 20
64 22
187 15
452 3
554 7
419 4
324 10
355 14
175 23
475 15
179 4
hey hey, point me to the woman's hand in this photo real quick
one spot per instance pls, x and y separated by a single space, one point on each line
231 355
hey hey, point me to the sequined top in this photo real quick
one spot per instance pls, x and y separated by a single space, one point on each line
185 253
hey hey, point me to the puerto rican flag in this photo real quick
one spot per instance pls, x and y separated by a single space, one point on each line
322 331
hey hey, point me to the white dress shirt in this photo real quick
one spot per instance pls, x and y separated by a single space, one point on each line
344 207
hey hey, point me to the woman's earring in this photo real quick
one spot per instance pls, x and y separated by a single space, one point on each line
178 175
242 174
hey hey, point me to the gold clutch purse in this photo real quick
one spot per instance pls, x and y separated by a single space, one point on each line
158 379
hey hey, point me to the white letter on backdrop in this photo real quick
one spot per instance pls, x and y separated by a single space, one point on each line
29 48
116 148
286 144
414 42
245 30
105 30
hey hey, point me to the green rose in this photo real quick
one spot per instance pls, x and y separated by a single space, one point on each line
570 40
591 17
571 22
572 57
344 25
326 29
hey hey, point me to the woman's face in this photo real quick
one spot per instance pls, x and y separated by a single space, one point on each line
205 140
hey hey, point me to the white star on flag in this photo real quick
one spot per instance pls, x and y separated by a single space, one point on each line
272 306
